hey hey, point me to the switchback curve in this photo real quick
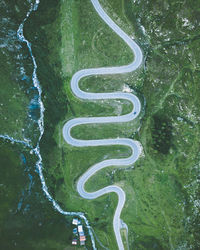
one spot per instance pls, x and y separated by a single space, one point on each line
134 145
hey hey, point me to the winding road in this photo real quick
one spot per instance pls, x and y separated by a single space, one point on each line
134 145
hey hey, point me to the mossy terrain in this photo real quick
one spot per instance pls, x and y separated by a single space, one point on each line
162 206
19 114
27 219
13 94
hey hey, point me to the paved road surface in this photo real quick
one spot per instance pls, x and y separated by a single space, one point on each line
136 149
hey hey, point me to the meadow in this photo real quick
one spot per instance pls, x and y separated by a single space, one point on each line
162 209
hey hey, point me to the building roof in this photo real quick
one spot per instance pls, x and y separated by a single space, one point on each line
82 238
75 230
80 228
75 221
74 242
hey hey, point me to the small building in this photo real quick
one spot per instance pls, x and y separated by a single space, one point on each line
80 228
75 221
81 234
82 243
74 242
75 230
82 238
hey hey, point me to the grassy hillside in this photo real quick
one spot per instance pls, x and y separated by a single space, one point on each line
162 189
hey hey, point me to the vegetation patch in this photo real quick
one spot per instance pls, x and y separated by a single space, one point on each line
162 188
162 134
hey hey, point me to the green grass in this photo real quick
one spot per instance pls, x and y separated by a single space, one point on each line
27 219
162 188
15 75
13 99
94 46
90 39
